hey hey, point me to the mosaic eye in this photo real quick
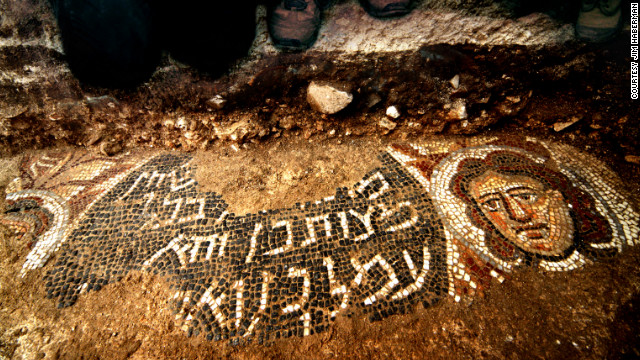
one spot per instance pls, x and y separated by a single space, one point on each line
525 197
529 198
492 204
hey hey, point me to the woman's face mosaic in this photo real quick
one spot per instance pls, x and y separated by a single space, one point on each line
531 217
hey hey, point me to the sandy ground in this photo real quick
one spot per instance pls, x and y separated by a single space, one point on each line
275 176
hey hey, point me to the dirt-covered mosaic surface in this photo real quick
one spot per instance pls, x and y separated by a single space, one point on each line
434 224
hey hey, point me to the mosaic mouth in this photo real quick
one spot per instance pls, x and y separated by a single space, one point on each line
410 232
533 229
533 232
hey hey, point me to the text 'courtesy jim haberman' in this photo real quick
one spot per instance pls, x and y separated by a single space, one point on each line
634 50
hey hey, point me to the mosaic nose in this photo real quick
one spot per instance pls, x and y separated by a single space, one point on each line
516 210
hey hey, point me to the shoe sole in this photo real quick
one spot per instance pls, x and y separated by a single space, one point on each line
289 44
294 45
595 35
598 35
385 13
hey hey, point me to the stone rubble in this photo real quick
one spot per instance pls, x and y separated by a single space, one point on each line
455 82
561 125
328 98
217 102
387 124
457 109
393 112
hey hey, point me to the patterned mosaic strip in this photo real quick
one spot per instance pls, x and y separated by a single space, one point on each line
434 220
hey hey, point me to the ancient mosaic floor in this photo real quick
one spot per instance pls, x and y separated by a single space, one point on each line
435 220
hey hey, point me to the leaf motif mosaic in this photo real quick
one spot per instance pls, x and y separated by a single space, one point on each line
444 218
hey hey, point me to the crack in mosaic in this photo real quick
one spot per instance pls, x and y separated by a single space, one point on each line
434 220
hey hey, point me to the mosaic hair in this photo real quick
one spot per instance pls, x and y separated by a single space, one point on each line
590 226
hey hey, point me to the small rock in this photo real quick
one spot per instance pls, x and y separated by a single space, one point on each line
328 98
307 134
373 100
94 138
287 122
101 102
193 125
191 135
393 112
217 102
110 148
182 123
458 110
484 99
387 124
561 125
169 123
238 131
508 338
455 82
55 116
634 159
